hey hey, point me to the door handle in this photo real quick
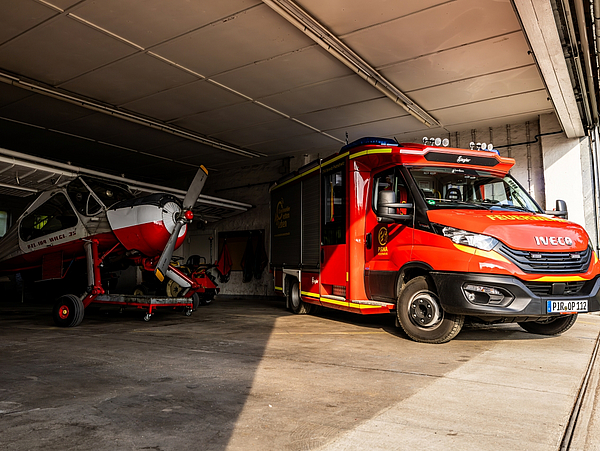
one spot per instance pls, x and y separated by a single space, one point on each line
369 240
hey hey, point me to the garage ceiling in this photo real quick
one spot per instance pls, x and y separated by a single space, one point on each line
154 88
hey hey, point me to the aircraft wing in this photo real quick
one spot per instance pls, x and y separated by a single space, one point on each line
24 175
24 178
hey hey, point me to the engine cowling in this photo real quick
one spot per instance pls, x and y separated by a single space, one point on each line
146 223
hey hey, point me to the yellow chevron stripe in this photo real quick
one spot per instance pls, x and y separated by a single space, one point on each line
370 152
349 304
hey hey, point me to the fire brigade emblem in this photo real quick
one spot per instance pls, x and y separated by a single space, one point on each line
382 238
282 214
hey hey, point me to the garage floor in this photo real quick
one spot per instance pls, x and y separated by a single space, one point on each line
244 374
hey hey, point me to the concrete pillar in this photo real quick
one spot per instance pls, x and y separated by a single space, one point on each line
568 174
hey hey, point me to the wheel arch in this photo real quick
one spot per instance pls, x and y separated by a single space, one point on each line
411 270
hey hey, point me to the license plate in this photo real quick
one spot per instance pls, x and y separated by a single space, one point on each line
567 306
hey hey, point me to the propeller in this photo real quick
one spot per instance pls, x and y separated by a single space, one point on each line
183 217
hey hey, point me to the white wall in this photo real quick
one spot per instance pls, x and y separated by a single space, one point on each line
568 174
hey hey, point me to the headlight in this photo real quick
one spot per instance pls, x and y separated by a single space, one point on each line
483 242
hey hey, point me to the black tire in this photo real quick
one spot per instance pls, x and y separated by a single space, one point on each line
553 325
297 305
195 301
207 297
140 290
421 316
68 311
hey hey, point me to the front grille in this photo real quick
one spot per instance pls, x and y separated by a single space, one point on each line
545 288
548 262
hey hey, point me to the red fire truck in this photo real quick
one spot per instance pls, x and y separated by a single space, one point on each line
432 234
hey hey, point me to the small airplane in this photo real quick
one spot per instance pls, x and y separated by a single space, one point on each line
84 214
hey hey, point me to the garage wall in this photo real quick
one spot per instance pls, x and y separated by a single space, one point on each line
568 171
248 184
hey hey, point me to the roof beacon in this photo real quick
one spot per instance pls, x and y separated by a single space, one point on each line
436 142
483 146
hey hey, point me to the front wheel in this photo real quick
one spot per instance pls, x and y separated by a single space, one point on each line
421 316
68 311
553 325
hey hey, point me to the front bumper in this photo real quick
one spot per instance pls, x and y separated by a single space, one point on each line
515 299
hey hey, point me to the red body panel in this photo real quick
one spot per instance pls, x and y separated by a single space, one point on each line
150 238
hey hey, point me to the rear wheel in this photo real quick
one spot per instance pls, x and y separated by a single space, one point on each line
553 325
68 311
208 296
421 316
297 305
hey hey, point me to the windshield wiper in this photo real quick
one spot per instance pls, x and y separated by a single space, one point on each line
458 202
511 207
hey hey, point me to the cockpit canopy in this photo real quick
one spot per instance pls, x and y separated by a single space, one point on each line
90 195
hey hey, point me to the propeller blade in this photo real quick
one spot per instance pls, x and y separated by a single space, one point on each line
163 263
195 188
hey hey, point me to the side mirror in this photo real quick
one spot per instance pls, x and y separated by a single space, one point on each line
560 210
385 198
387 207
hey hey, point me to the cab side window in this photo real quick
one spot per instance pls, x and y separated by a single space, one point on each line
54 215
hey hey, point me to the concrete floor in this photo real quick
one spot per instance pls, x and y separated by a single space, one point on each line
248 375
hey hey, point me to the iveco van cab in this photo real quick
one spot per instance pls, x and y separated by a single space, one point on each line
431 234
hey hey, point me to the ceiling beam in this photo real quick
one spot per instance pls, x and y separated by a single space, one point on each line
121 114
295 15
539 25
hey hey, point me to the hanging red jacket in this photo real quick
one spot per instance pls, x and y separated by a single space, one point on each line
224 263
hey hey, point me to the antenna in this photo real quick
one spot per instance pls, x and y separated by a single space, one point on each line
346 138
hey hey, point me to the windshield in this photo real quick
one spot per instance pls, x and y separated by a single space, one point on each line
470 188
109 193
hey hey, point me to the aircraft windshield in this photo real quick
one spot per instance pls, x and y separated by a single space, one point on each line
109 193
469 188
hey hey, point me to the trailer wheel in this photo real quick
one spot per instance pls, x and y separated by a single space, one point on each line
68 311
421 316
297 305
554 325
195 301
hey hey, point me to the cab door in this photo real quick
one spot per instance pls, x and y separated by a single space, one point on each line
388 245
333 230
